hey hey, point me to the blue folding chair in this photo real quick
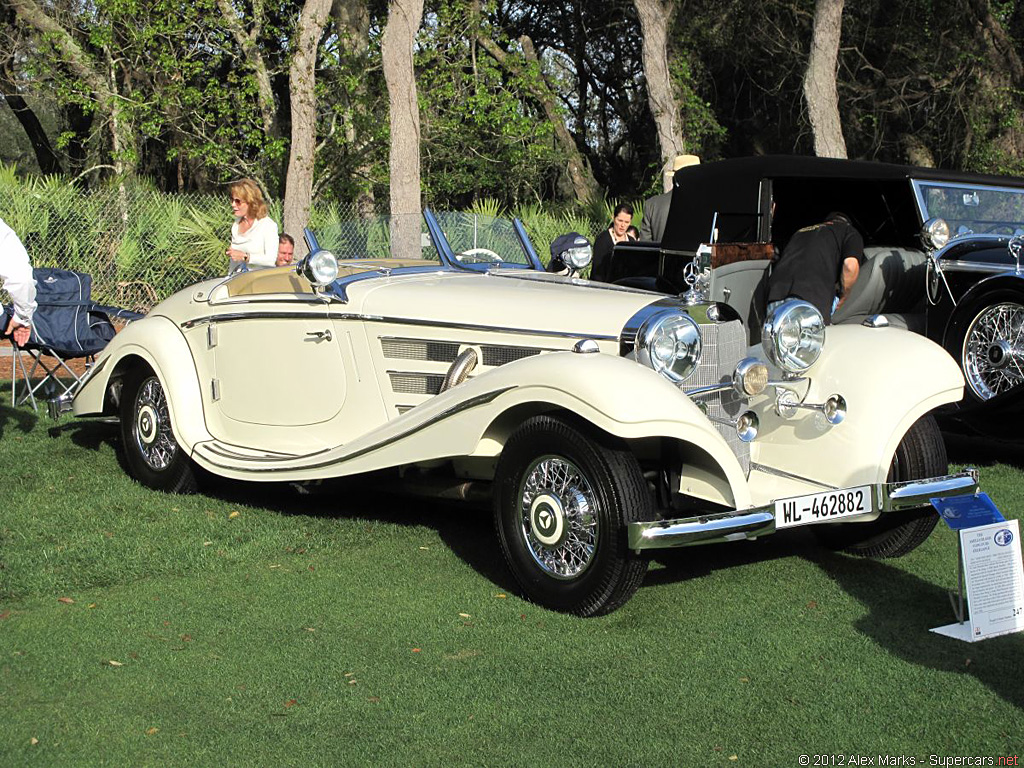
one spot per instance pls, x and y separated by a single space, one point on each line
67 325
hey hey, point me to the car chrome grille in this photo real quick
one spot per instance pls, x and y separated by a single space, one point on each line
416 383
723 345
416 349
446 351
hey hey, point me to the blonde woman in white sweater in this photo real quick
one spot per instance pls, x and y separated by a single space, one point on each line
254 234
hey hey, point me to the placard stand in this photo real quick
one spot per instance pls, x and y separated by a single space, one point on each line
989 569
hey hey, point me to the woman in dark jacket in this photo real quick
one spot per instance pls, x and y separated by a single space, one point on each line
605 241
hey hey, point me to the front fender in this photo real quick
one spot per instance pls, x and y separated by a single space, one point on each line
616 395
889 378
157 342
968 304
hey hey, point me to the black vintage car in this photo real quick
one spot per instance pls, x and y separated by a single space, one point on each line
943 256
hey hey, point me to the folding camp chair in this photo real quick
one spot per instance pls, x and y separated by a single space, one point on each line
67 325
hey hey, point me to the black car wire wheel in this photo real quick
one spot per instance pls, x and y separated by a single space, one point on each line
993 350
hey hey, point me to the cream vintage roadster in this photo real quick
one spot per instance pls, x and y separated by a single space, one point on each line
604 421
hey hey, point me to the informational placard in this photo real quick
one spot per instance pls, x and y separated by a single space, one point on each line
995 579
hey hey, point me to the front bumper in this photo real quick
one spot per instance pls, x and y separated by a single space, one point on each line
760 521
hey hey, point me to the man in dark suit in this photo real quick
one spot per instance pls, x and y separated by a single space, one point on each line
655 215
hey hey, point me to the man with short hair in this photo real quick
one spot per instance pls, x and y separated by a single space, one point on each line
285 249
819 264
17 280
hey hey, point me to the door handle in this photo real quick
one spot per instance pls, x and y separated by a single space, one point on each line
320 335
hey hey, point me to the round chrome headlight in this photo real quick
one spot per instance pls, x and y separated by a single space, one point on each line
793 335
670 344
320 268
935 233
579 255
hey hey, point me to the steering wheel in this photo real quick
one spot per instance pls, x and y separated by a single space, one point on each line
472 255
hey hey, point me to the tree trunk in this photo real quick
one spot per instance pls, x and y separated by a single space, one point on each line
45 156
404 17
352 23
584 185
301 80
656 17
100 81
820 80
249 43
1001 78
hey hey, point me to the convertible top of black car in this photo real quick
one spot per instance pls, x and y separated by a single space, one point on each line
728 195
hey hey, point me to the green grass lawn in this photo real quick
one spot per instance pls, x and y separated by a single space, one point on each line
260 626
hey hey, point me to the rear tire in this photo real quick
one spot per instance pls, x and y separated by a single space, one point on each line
151 451
921 453
563 497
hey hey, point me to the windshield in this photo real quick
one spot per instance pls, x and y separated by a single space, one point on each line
972 209
474 241
378 237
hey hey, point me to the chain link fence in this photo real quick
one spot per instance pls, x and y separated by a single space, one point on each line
139 245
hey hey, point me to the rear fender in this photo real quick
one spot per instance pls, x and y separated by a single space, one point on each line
155 342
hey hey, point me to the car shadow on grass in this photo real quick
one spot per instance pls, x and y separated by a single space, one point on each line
18 418
902 608
682 563
465 528
981 451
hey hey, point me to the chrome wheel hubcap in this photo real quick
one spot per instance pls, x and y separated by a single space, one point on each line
152 426
993 353
558 512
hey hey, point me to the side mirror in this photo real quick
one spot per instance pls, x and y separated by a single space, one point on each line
320 268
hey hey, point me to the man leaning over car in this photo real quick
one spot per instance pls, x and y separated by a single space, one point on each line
820 264
17 280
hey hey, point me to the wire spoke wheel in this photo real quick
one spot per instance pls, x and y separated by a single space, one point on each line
563 498
151 426
559 509
152 453
993 350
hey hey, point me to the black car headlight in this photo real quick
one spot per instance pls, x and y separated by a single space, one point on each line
793 336
670 343
935 233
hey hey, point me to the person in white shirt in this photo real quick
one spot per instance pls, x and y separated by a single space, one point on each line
17 280
254 234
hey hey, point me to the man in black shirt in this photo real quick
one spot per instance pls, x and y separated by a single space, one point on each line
819 264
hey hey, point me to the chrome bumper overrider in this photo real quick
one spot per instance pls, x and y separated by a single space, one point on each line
57 406
760 521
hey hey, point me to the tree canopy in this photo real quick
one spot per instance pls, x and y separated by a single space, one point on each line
519 101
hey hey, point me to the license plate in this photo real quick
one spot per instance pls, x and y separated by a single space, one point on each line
823 507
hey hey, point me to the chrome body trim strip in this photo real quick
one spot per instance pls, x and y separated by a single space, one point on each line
760 521
329 315
228 317
976 266
465 405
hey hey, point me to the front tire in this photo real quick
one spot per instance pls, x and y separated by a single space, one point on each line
151 451
921 453
563 497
